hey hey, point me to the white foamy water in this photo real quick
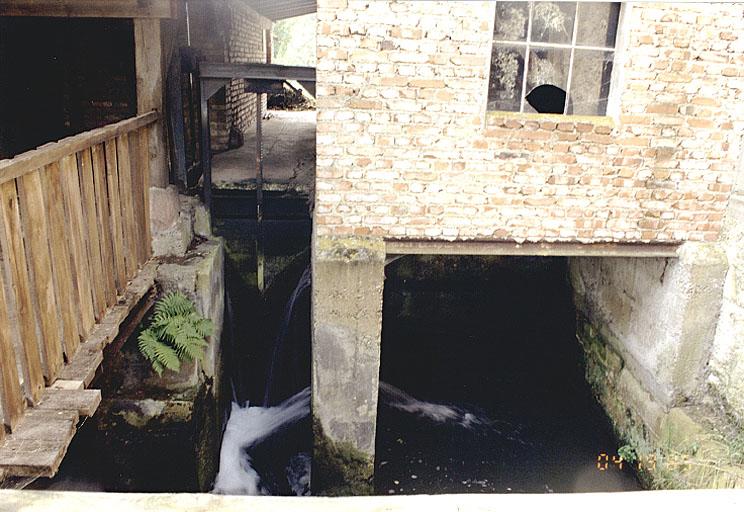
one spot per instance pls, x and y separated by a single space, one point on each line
246 428
438 413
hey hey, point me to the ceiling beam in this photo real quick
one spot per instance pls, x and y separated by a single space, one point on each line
256 71
90 8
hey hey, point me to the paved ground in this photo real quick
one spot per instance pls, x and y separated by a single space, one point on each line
289 155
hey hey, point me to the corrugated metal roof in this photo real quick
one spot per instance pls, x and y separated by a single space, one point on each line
281 9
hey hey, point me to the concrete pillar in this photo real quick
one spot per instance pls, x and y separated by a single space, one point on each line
348 275
658 314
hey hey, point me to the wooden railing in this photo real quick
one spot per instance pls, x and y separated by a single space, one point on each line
74 229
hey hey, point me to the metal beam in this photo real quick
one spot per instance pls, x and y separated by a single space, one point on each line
485 248
209 70
90 8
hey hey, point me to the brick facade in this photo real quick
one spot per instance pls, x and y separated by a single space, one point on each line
229 31
406 149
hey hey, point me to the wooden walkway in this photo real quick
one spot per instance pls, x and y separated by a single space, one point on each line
75 250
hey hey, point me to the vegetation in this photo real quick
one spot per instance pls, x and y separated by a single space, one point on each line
293 41
176 333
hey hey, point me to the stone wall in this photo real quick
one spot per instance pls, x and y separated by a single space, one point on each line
229 31
406 149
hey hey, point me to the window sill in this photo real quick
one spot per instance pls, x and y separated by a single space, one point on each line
498 116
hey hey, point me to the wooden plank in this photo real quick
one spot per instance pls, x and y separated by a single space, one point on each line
135 166
127 205
84 401
67 295
76 233
89 8
117 228
104 222
14 252
92 238
67 384
485 248
39 444
55 151
143 135
148 60
83 366
11 395
36 231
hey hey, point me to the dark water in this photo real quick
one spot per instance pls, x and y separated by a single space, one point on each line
498 346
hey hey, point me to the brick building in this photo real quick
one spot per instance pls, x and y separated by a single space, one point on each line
433 138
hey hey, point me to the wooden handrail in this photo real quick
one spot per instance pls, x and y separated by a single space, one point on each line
54 151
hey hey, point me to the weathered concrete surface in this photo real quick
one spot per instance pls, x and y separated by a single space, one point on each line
727 359
288 155
719 500
690 446
658 314
164 432
348 275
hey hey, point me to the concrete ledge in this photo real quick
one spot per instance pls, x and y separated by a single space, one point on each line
33 501
494 248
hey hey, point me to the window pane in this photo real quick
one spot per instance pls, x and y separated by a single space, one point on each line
511 21
590 82
552 22
597 24
547 66
505 84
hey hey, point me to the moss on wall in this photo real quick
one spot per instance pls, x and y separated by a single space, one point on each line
339 469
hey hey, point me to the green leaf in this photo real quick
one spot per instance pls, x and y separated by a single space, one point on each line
176 333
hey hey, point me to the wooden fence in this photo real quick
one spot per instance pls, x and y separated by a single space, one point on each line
74 229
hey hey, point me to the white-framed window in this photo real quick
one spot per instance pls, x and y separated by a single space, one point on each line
553 57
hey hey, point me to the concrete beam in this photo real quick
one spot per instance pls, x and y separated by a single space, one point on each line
487 248
348 275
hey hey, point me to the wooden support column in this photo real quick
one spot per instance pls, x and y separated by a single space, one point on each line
149 68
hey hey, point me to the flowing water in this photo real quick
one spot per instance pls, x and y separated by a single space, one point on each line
495 399
488 349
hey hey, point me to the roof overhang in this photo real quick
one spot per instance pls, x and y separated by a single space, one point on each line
90 8
277 10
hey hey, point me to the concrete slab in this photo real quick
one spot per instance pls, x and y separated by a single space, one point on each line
32 501
289 156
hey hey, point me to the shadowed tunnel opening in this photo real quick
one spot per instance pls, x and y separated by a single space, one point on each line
484 382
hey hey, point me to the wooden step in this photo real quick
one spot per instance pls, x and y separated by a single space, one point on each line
42 436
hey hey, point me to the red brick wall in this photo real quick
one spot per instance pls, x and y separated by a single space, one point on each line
406 149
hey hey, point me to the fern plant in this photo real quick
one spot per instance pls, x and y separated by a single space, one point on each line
176 333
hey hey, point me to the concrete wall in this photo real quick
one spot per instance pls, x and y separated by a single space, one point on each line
658 314
726 376
406 149
648 330
164 432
